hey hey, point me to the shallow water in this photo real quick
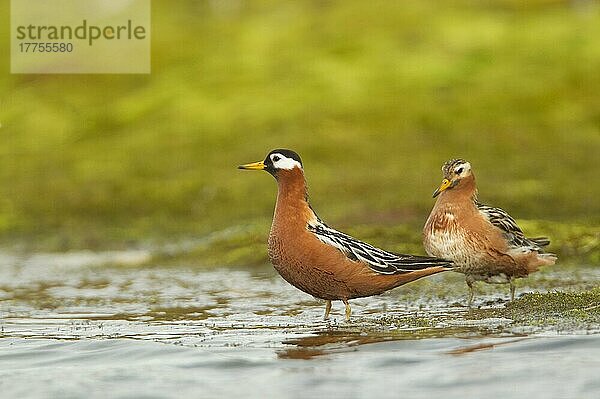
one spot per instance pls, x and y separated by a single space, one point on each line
73 327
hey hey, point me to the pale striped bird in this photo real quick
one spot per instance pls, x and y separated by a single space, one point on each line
484 243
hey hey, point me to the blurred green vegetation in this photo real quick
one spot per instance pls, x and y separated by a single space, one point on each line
574 243
375 96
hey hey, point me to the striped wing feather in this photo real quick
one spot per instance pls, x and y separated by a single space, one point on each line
513 233
378 260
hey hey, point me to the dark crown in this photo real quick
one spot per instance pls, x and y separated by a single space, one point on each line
449 166
287 154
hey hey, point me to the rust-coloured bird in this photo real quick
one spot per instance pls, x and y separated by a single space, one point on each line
485 243
324 262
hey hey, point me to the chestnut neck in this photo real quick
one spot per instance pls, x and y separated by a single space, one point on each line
292 196
464 192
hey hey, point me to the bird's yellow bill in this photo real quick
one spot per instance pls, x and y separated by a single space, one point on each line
253 166
445 184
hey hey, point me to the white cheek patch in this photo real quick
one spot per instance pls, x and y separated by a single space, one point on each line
285 163
465 166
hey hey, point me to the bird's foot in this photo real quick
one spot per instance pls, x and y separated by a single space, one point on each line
471 294
327 309
512 290
348 309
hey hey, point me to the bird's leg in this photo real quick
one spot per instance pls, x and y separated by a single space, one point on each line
512 289
327 309
348 309
471 291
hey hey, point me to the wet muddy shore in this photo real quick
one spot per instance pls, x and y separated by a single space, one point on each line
147 330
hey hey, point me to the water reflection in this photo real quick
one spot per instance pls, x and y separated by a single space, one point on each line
326 342
335 341
131 325
482 346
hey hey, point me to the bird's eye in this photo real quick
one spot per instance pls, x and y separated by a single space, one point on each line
276 158
459 171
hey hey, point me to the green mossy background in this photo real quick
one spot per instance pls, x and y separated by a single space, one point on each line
375 96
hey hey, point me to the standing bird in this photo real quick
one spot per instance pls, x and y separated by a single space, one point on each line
485 243
324 262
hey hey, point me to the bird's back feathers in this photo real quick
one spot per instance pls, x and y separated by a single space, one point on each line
377 259
511 231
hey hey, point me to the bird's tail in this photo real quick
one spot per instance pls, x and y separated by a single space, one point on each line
409 263
540 258
540 241
536 260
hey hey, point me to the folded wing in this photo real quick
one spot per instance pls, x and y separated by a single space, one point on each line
378 260
513 233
